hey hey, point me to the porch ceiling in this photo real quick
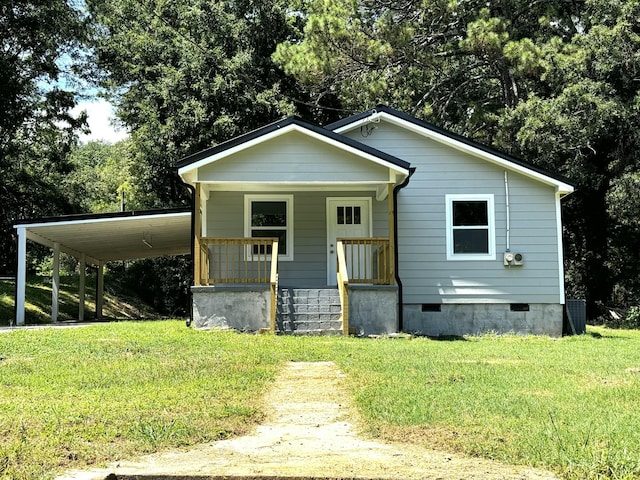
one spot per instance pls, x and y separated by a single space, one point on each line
117 236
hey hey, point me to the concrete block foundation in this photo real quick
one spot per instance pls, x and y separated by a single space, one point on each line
476 319
373 309
245 308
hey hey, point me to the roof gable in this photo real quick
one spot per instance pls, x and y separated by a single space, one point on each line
270 132
426 129
294 158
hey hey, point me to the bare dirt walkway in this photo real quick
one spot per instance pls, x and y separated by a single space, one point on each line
309 433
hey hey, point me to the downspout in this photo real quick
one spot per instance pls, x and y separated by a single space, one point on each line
396 189
193 248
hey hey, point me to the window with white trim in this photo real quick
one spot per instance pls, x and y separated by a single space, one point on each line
470 227
270 216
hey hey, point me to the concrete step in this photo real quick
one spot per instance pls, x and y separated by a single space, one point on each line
309 311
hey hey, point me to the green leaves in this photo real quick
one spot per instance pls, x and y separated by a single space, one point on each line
486 36
554 82
187 75
37 43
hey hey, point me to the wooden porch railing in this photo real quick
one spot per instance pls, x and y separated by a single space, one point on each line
241 260
369 260
237 260
343 283
273 282
362 260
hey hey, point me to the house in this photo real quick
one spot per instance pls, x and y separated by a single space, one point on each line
375 224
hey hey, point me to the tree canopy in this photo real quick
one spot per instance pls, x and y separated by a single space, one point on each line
188 74
36 128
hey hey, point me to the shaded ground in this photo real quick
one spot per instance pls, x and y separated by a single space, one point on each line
310 432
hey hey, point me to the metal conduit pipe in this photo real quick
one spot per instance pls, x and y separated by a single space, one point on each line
506 195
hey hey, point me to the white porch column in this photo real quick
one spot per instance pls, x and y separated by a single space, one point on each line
55 283
100 291
81 287
21 275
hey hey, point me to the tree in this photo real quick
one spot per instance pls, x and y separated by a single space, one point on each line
36 129
452 62
186 75
584 123
104 178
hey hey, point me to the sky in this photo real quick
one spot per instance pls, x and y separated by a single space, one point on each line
100 116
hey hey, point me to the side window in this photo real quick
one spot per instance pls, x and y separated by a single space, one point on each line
470 227
270 216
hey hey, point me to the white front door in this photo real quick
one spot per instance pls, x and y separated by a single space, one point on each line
346 218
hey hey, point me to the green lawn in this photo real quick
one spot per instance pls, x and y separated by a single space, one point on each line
73 397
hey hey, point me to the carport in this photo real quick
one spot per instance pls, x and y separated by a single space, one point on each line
98 238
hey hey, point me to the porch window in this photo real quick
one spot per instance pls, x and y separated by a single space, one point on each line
470 227
270 216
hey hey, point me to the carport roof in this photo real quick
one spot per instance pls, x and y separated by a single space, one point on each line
114 236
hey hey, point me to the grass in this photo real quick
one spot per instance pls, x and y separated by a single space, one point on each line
567 404
78 396
73 397
38 301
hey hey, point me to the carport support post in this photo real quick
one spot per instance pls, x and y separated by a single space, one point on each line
21 275
81 287
99 291
55 283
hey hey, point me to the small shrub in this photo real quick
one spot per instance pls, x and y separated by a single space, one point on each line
619 317
632 319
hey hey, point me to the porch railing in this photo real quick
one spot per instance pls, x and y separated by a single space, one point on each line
241 261
362 260
343 283
368 260
237 260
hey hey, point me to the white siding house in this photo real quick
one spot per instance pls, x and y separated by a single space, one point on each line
416 228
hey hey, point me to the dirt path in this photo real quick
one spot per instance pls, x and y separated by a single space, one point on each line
310 433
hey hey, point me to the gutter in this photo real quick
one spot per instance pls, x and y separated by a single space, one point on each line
192 190
396 190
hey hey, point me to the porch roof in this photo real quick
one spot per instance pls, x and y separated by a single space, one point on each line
114 236
188 166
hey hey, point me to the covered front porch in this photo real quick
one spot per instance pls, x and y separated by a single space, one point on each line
292 227
278 284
